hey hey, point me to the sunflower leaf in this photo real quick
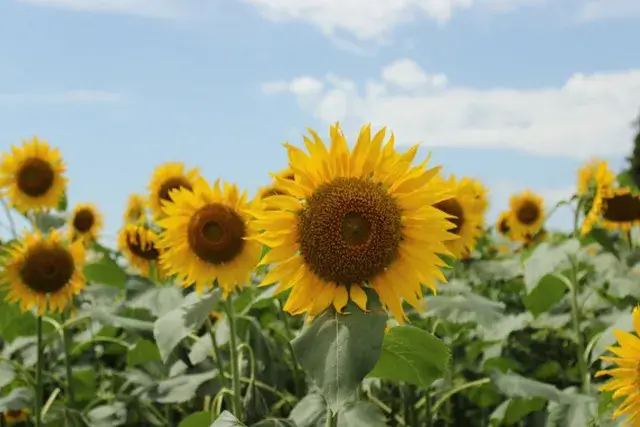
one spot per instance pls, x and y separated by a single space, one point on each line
106 271
412 355
197 419
338 350
226 419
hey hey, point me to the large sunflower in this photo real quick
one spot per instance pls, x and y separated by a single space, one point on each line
526 214
594 174
502 224
354 219
625 378
32 176
43 271
85 222
613 209
138 243
465 213
167 177
204 237
136 210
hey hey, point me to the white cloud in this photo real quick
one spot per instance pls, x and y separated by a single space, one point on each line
589 115
68 97
601 9
406 74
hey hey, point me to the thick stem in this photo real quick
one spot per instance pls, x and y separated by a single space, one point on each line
235 362
332 419
66 338
39 363
585 378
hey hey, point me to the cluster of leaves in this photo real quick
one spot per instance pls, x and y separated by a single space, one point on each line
512 339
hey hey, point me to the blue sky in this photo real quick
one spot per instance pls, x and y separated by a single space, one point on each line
516 96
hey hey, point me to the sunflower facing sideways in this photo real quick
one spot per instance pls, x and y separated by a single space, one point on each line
167 177
85 222
138 243
502 224
136 210
613 209
204 237
43 271
32 176
526 214
276 189
594 174
466 214
354 219
625 377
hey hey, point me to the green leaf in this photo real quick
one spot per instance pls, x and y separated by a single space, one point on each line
108 415
467 307
46 222
63 203
7 373
546 294
144 352
84 380
197 419
309 411
361 414
226 419
513 410
604 239
158 300
275 422
182 388
105 271
338 350
171 328
13 322
107 318
547 259
17 399
412 355
624 322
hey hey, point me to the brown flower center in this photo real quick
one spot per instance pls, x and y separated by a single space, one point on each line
83 220
47 268
452 207
146 250
349 231
503 227
173 184
35 177
622 208
216 234
528 213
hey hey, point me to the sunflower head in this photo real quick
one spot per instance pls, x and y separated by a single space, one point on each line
32 176
526 214
166 178
353 222
136 210
462 207
277 189
625 375
502 224
44 272
617 209
594 175
15 416
85 222
204 238
138 243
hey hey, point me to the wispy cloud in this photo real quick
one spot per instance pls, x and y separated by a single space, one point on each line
150 8
56 98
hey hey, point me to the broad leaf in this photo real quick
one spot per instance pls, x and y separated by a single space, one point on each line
197 419
17 399
547 259
548 293
226 419
105 271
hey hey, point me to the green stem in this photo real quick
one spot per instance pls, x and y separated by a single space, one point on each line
216 348
585 378
66 339
39 363
235 365
332 419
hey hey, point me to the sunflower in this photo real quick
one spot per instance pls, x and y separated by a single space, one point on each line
502 225
464 212
526 214
43 271
167 177
594 174
32 176
86 222
354 219
276 189
625 378
138 243
204 237
530 240
16 416
616 209
480 192
136 210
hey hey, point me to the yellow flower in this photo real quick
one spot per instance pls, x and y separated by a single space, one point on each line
86 222
625 378
204 237
138 243
136 210
481 194
16 416
32 176
464 211
168 177
502 225
352 219
595 174
615 209
276 189
526 214
42 271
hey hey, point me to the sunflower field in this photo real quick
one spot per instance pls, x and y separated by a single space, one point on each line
361 287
